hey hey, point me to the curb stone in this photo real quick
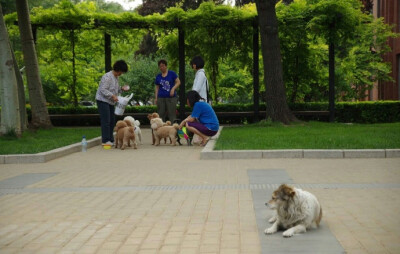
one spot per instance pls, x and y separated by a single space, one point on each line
46 156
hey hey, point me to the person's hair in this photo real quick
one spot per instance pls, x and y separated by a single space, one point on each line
198 61
193 97
162 61
120 65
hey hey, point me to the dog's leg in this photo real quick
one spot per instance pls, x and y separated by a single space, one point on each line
295 230
173 140
273 228
153 138
157 140
272 219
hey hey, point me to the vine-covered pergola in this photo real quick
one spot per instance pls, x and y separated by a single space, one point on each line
175 18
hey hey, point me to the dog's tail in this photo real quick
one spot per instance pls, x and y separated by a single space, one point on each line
176 126
319 217
129 123
137 123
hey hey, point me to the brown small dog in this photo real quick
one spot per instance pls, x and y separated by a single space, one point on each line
168 123
124 136
160 131
119 125
151 116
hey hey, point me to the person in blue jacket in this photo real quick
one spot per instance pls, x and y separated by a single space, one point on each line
202 121
165 93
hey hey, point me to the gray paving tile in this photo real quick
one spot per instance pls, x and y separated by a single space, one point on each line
274 176
24 180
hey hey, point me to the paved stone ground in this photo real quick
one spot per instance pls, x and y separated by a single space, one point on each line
166 200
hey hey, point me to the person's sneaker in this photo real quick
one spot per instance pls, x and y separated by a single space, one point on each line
108 143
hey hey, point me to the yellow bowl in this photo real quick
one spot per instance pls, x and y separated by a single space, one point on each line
107 147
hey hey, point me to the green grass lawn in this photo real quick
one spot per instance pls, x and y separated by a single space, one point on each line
45 140
310 135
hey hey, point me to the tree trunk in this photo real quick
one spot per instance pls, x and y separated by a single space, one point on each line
10 116
331 81
276 104
40 115
214 74
73 87
21 94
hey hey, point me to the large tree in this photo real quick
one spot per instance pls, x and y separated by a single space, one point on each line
40 115
12 111
277 108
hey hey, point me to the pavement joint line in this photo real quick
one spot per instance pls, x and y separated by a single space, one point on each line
216 187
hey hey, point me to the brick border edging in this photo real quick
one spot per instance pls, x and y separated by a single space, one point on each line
46 156
208 153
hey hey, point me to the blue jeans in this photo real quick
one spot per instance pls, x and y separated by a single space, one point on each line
107 121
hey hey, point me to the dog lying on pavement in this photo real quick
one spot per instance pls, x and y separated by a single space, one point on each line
296 211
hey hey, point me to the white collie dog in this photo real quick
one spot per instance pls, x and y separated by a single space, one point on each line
136 124
296 210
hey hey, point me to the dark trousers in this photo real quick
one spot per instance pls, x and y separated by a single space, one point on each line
107 121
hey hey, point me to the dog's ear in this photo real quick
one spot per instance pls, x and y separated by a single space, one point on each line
287 191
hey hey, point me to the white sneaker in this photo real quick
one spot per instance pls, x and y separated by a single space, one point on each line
108 143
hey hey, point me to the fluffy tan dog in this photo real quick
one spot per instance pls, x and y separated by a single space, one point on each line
156 115
124 136
119 125
151 116
160 131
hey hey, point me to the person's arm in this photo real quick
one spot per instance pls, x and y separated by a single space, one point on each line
188 119
177 84
199 81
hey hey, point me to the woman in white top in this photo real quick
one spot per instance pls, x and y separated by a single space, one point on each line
106 97
200 83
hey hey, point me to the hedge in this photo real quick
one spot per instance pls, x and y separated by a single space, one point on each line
347 112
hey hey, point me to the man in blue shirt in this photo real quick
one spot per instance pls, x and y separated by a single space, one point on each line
165 93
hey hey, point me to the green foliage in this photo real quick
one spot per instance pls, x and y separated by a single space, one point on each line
335 19
205 36
299 54
363 65
221 34
56 65
368 112
305 29
235 86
